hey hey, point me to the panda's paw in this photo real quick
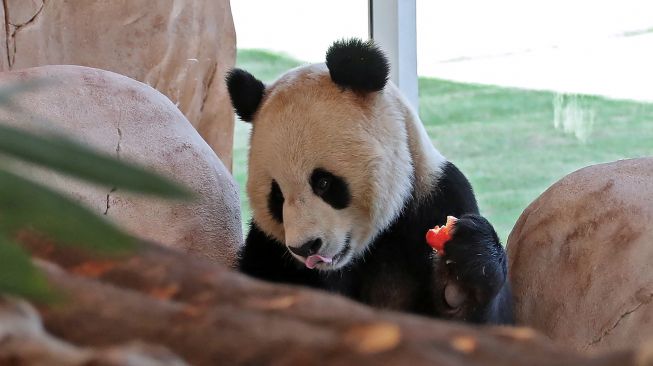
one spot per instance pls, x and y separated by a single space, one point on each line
474 264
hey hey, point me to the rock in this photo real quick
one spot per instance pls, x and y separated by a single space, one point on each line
581 258
132 121
181 48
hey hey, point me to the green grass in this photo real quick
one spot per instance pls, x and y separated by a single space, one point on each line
503 139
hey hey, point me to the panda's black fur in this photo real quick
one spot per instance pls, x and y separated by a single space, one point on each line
398 271
246 93
357 65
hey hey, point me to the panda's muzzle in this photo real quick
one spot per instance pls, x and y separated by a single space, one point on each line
344 250
309 252
307 249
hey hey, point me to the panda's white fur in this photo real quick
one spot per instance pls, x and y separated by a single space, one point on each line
376 141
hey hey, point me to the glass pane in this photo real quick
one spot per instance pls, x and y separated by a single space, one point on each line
520 93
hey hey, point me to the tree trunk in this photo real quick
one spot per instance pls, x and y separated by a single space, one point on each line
210 315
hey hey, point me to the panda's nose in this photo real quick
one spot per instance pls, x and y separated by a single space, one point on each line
307 249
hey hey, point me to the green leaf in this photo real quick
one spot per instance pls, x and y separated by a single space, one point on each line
18 275
69 157
25 204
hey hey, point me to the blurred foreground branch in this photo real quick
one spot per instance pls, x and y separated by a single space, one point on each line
210 315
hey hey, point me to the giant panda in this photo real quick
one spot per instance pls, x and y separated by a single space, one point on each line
344 183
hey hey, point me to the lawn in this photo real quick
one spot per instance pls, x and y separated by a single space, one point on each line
512 144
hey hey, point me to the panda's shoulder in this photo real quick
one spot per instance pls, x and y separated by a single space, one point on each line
448 193
451 192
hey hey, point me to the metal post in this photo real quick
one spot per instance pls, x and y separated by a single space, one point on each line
392 26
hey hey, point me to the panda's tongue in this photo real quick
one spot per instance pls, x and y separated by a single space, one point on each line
313 260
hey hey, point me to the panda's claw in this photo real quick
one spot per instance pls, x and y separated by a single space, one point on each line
475 260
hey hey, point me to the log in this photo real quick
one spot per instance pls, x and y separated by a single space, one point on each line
25 342
210 315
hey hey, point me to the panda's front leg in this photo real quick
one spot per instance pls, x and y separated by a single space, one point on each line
473 274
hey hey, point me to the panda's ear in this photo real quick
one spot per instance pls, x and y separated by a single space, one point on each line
357 65
246 93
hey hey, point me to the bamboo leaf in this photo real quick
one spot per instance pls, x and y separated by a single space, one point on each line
17 274
69 157
25 204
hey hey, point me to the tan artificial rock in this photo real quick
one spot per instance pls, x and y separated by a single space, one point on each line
133 122
182 48
581 258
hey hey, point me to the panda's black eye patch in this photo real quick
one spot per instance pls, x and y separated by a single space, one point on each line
331 188
275 202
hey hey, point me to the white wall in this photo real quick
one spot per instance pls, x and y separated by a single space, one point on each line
457 28
303 29
446 29
565 45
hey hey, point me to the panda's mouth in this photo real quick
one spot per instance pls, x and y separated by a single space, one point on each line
314 260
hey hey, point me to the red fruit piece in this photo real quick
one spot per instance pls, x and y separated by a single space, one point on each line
440 235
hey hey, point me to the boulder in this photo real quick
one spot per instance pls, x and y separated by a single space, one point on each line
132 121
581 258
180 47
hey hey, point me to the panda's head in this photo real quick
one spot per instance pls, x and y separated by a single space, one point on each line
335 153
